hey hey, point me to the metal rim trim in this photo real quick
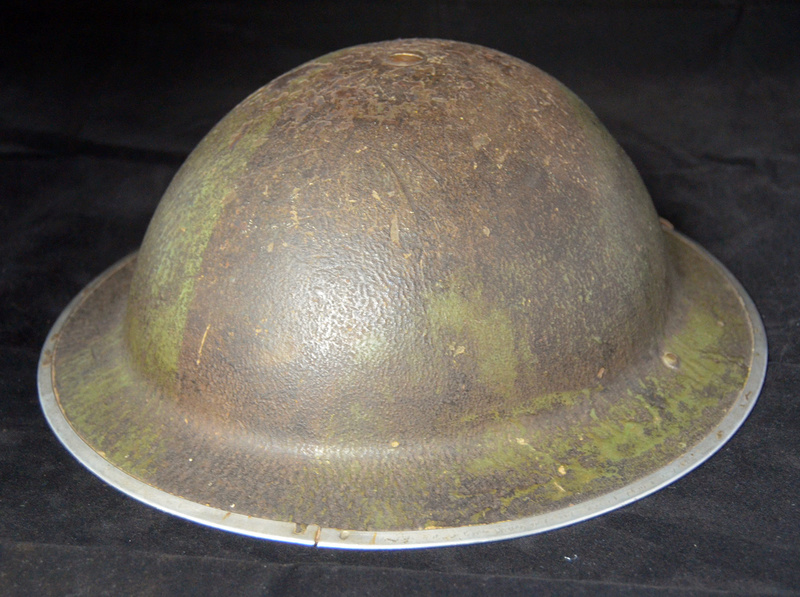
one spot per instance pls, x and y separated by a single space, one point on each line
315 535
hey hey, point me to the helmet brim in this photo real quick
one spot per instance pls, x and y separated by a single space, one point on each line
593 452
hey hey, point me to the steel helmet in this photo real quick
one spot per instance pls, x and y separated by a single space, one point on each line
410 293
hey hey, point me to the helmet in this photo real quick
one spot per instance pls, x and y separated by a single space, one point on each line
410 293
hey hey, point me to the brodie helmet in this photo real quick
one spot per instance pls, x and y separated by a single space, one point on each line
408 294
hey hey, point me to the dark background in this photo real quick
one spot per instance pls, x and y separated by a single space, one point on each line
101 102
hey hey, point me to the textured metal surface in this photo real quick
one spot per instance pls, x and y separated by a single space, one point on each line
411 285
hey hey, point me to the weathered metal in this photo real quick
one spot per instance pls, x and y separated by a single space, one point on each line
409 285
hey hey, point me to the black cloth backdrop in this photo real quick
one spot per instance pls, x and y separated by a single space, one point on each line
101 102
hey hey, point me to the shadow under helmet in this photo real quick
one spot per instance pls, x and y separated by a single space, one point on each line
411 293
